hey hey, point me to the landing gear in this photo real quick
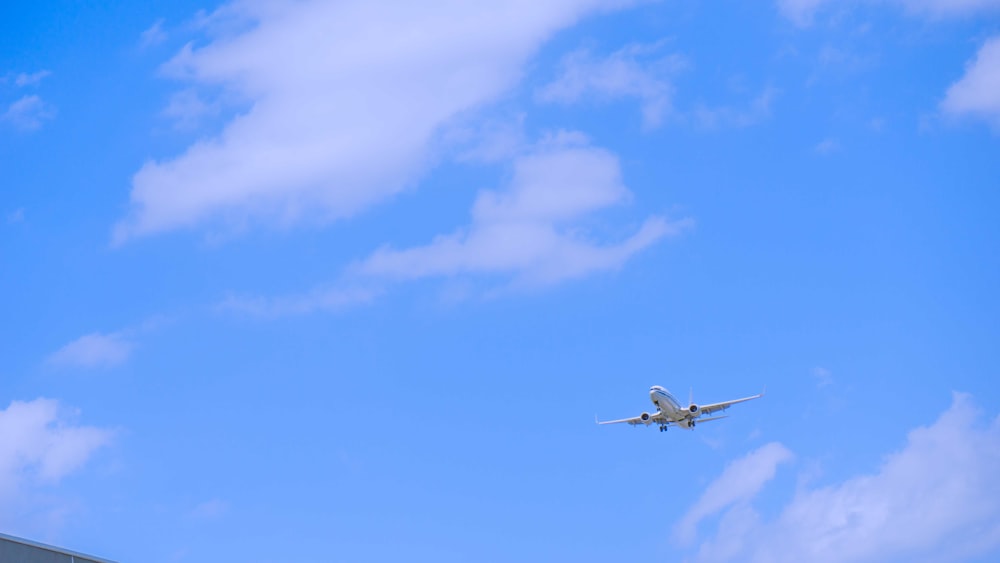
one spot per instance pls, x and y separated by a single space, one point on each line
663 428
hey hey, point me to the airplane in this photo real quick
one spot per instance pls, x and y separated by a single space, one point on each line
669 411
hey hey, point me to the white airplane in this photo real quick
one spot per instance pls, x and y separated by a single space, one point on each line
669 411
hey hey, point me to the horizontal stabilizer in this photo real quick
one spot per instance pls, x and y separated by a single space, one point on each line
700 420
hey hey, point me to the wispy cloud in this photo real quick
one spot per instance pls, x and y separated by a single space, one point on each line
153 35
28 113
803 12
800 12
321 300
822 376
94 350
41 443
938 497
636 71
757 110
948 8
977 93
344 99
488 140
187 109
25 79
534 231
827 146
740 481
210 509
538 231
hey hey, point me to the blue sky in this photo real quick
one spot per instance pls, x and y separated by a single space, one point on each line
335 281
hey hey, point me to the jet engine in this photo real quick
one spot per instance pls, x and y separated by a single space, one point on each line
693 409
644 417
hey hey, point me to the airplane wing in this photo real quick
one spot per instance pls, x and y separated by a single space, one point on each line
716 407
653 418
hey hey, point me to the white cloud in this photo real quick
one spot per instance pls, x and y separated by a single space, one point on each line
493 140
28 113
153 35
822 376
620 75
740 481
538 231
345 99
32 79
94 350
948 8
756 111
802 12
827 146
210 509
534 231
40 444
938 498
977 93
188 109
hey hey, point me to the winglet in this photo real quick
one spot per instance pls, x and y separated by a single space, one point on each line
595 420
764 390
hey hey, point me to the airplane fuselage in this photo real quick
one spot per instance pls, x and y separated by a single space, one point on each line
671 409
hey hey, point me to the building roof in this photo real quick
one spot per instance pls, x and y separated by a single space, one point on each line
27 550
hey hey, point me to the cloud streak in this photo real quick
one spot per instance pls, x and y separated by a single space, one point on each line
344 101
937 498
321 300
533 231
802 12
24 79
977 93
93 350
28 113
153 35
740 481
40 443
538 231
627 73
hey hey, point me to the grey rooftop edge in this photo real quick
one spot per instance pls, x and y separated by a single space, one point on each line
21 543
